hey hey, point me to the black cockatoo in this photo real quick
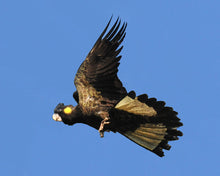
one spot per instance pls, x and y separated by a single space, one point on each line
104 104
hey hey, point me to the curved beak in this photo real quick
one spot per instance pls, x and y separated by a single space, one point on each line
57 118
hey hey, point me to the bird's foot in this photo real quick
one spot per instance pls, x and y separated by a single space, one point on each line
101 128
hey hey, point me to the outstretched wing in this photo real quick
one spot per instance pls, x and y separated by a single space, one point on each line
97 75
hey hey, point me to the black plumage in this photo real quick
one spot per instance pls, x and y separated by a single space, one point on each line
104 104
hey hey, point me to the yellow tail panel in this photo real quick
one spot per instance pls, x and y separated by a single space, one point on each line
135 107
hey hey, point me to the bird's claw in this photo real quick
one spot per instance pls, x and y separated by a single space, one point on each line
101 128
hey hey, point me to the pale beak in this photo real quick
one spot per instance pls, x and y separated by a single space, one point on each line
57 118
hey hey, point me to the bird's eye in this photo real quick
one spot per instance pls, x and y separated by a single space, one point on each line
67 110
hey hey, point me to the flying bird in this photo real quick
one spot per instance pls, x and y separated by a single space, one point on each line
104 104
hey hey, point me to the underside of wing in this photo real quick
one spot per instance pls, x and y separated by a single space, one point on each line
100 67
147 122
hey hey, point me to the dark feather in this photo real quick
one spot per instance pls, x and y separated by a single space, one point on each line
132 94
76 96
101 65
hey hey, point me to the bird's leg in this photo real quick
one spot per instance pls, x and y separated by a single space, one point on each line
105 121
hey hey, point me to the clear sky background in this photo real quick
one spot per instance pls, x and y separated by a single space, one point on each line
171 52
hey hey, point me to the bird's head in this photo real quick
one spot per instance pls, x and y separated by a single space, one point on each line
66 114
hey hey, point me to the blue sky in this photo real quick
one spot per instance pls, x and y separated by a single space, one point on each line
171 52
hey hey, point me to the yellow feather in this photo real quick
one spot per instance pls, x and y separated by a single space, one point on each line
67 110
136 107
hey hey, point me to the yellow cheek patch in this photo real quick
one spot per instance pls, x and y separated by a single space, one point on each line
67 110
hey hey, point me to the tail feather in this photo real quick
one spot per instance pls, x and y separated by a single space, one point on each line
147 122
142 140
151 128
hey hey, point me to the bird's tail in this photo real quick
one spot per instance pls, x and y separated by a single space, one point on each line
147 122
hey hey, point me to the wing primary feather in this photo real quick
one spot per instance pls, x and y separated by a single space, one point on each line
122 38
102 34
118 51
120 33
113 30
